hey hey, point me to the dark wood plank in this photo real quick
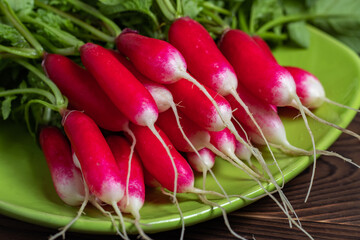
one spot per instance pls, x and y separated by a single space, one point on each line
332 212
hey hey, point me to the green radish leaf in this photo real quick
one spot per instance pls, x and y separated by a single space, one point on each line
192 8
6 106
346 26
24 6
263 11
9 36
299 34
110 7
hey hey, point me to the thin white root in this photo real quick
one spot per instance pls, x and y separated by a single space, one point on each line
174 109
117 210
226 220
106 213
253 150
128 131
78 215
180 213
240 164
340 105
157 135
142 234
344 130
245 107
302 111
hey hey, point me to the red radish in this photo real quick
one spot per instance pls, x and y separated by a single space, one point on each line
265 47
208 65
204 163
159 61
125 91
132 201
256 71
155 160
204 60
160 94
83 92
198 137
97 162
149 180
192 101
66 177
308 87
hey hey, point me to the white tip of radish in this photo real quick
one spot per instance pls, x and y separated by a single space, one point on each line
242 152
147 116
204 163
217 121
111 191
134 206
76 161
162 97
224 82
286 91
70 189
314 95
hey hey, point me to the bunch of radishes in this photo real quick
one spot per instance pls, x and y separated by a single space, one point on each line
179 104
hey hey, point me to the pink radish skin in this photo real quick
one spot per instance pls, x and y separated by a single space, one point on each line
224 140
259 74
204 163
149 55
149 180
308 88
241 151
97 162
67 179
161 95
204 60
125 91
83 92
157 162
264 46
121 151
197 136
264 114
191 100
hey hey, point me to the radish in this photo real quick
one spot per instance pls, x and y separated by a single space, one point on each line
265 47
259 74
205 61
199 138
309 89
133 202
125 91
83 92
66 177
159 61
211 68
185 94
204 163
97 162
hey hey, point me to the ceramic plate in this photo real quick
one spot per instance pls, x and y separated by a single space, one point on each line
26 190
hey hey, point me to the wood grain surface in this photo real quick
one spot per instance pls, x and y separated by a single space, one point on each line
332 211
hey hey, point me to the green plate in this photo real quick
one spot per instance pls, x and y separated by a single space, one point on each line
26 190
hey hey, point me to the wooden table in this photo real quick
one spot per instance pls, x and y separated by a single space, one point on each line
332 212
